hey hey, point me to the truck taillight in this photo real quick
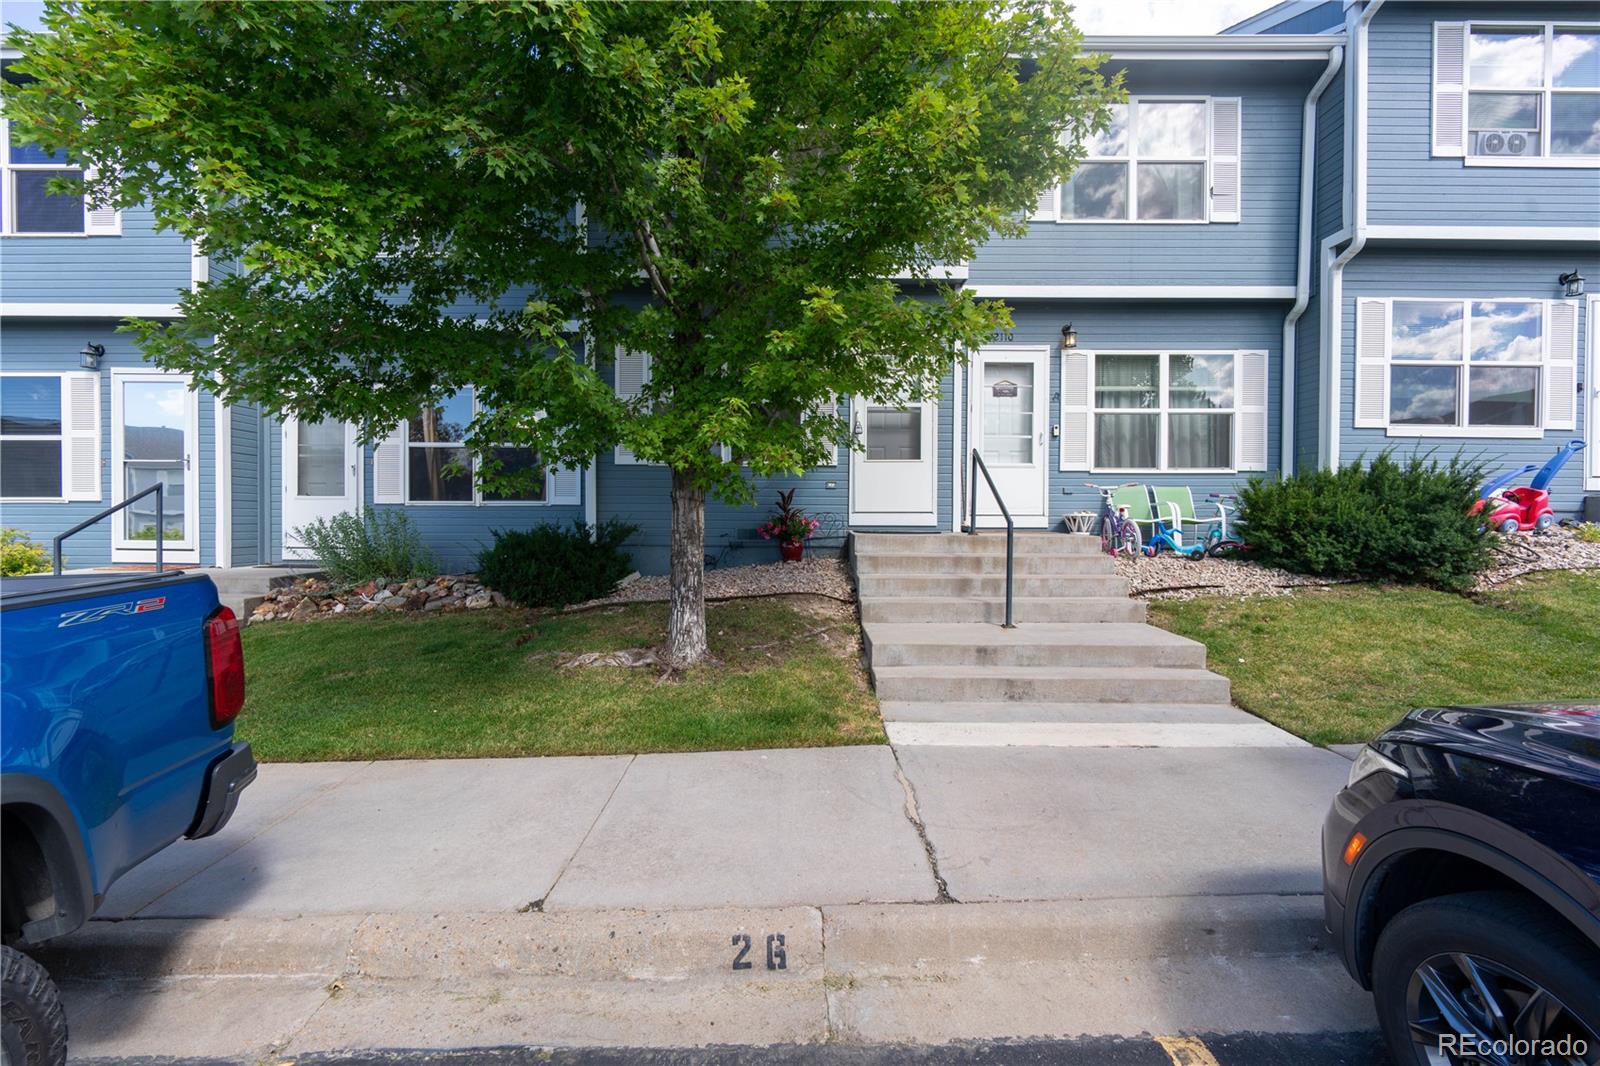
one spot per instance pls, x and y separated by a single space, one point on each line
224 666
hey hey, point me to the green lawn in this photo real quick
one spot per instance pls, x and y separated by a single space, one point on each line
1339 665
486 683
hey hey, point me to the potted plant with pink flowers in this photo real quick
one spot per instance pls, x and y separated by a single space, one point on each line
790 527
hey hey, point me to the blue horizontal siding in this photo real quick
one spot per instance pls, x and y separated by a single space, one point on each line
140 266
1464 274
1258 250
246 485
1107 326
1406 185
53 346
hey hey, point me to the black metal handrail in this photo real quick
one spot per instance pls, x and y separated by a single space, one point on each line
161 525
1011 527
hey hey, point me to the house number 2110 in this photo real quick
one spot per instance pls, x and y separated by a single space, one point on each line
777 958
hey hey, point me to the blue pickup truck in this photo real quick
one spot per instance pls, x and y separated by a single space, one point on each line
118 694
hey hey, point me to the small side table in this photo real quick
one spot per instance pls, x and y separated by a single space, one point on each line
1079 521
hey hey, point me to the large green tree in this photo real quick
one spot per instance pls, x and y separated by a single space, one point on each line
751 174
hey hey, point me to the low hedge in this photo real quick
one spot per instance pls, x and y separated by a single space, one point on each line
1387 520
552 566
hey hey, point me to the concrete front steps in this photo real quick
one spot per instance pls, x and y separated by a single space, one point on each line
1081 667
244 587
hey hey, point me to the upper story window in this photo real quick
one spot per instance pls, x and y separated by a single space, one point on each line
1517 94
1162 159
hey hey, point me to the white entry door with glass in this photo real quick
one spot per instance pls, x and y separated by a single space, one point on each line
321 477
155 436
1007 415
893 475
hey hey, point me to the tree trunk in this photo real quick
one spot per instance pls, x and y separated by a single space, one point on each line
686 621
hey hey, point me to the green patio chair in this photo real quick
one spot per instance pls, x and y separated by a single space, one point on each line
1175 504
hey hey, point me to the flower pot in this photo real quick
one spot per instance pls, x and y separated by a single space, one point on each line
792 553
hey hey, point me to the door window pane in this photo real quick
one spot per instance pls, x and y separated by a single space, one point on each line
1127 442
1127 381
1200 442
30 469
1172 129
1172 190
1503 396
1008 413
1575 59
1096 190
441 474
321 466
523 461
155 419
1575 124
1204 381
30 405
1512 59
1506 332
1423 395
41 211
893 434
1427 330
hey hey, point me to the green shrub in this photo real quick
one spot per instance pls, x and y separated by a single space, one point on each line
1386 521
1589 532
552 566
19 555
375 546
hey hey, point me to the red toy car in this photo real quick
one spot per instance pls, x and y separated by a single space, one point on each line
1526 506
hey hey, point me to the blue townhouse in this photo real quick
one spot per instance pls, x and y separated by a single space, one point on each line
1335 228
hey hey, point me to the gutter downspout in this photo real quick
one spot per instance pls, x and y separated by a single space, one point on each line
1303 253
1333 289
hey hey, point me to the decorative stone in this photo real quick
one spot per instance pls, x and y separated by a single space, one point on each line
478 600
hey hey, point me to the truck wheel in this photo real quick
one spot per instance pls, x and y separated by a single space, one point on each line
34 1032
1485 966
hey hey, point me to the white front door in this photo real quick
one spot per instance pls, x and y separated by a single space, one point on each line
1007 415
155 436
894 475
1592 400
321 477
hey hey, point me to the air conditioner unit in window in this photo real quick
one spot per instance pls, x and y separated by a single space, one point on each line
1505 142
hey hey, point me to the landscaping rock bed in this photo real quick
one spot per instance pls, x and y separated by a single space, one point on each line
814 576
1169 577
313 597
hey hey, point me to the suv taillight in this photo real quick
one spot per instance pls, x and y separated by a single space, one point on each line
224 666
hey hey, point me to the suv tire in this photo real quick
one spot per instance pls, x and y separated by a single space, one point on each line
1505 929
34 1030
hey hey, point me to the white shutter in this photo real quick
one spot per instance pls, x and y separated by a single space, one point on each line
1227 123
828 407
1561 365
100 221
1077 396
1045 209
1372 364
80 425
1251 374
563 485
633 373
389 467
1449 88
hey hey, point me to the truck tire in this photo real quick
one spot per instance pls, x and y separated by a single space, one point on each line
34 1031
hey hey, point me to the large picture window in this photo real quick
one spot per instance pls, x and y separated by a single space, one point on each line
440 467
1533 91
1465 363
32 444
1164 410
1150 165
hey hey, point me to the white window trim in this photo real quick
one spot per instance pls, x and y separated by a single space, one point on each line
8 170
1163 411
1465 363
478 499
1545 91
61 438
1131 159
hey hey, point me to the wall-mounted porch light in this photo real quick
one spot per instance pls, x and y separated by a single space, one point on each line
1572 284
89 358
1069 336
